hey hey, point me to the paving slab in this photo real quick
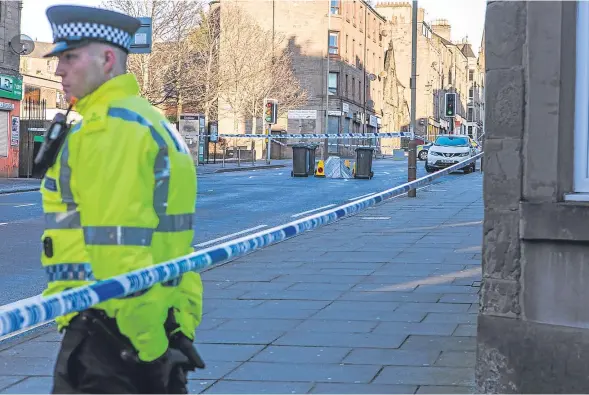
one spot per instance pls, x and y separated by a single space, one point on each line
359 306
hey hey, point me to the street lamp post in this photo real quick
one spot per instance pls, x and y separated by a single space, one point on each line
412 162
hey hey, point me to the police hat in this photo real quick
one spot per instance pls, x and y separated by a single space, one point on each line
76 26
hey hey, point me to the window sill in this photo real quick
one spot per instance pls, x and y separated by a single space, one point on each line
576 197
562 221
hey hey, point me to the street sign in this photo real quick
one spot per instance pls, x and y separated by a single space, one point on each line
141 43
302 114
213 132
10 87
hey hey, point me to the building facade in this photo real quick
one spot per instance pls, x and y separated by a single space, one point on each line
10 88
442 67
533 324
40 84
475 99
338 56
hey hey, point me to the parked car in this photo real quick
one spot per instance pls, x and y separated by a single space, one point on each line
422 151
449 150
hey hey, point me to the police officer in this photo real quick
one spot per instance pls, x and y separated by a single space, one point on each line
118 195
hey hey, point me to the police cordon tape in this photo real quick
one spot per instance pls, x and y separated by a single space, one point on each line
317 135
39 309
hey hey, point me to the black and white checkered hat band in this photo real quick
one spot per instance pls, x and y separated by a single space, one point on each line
76 31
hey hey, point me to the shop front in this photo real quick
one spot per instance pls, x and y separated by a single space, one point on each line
10 97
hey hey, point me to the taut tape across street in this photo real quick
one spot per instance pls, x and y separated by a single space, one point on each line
318 136
39 309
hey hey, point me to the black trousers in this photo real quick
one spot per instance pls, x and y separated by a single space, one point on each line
88 363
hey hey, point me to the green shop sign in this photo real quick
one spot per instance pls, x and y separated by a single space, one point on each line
10 87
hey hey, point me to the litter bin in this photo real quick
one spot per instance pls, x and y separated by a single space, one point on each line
300 160
364 162
312 148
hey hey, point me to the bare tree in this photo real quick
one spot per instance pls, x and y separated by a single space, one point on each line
204 44
163 73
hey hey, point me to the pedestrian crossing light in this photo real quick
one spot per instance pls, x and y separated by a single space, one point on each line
450 104
270 111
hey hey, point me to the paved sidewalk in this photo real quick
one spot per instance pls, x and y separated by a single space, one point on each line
383 302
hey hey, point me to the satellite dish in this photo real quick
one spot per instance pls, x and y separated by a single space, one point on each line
371 77
22 44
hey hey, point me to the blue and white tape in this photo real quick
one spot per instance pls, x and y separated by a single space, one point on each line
318 135
39 309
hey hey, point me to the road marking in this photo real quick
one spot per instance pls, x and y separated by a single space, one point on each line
3 223
375 218
25 205
206 243
311 211
360 197
13 334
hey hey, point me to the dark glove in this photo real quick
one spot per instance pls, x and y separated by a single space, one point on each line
158 373
180 342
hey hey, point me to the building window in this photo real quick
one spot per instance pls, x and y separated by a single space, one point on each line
354 13
332 86
470 132
346 87
470 75
470 114
470 94
581 141
360 91
335 7
354 52
334 43
347 43
353 88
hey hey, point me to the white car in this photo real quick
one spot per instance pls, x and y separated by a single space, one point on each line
449 150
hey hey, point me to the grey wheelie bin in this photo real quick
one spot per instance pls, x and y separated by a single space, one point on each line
312 148
364 162
300 160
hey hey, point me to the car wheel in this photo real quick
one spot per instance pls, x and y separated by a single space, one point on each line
422 155
467 169
429 169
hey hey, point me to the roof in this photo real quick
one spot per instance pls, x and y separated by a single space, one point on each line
41 48
466 50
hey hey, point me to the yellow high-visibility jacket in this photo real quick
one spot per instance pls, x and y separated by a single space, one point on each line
121 196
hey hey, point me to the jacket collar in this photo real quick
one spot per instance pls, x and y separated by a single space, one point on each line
119 87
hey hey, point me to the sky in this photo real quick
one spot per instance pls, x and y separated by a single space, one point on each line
467 17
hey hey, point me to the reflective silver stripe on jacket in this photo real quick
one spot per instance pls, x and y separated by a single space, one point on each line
70 271
71 220
117 235
175 223
66 220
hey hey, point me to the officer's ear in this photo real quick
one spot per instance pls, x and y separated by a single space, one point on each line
109 60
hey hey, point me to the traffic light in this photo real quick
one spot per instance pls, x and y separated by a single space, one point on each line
450 104
270 111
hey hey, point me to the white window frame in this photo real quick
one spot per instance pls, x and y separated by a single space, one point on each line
581 128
